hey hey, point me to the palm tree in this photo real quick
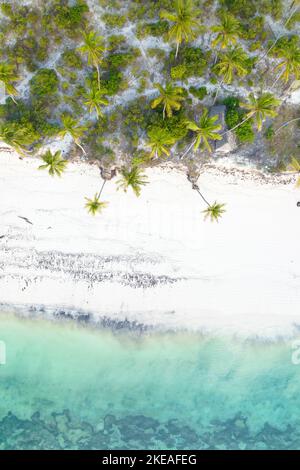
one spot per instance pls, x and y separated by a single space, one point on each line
170 97
159 141
205 130
54 163
258 108
289 51
185 22
213 211
94 100
70 127
94 205
8 77
294 166
261 108
134 178
94 48
16 136
233 62
227 31
295 4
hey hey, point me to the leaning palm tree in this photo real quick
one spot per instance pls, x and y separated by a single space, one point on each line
54 163
95 100
206 129
135 178
185 22
94 48
260 108
289 53
8 76
213 211
70 127
94 205
294 166
294 6
159 141
231 63
227 32
170 98
16 136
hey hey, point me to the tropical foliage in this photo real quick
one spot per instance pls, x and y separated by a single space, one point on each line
227 32
54 163
8 77
231 63
170 98
134 178
70 127
184 20
206 130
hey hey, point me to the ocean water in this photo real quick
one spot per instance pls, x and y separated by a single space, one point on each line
66 386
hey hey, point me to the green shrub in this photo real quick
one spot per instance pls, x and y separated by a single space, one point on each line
199 93
44 82
244 132
112 81
194 61
178 72
157 29
72 59
71 18
115 41
114 21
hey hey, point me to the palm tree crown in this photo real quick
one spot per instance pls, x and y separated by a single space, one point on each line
231 63
8 77
71 127
170 97
214 211
134 178
16 136
227 31
94 205
185 22
94 48
206 130
260 108
95 99
54 163
288 51
159 141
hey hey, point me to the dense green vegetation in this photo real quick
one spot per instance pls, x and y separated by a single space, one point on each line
142 76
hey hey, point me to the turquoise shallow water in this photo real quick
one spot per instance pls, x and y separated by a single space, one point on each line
71 387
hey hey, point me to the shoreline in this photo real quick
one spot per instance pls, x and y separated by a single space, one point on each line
170 269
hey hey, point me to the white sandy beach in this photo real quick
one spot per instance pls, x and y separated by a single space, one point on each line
152 259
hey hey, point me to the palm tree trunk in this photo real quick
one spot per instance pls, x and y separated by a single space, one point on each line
100 192
80 146
218 91
287 123
164 112
188 149
177 49
11 96
98 76
196 187
279 37
278 78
